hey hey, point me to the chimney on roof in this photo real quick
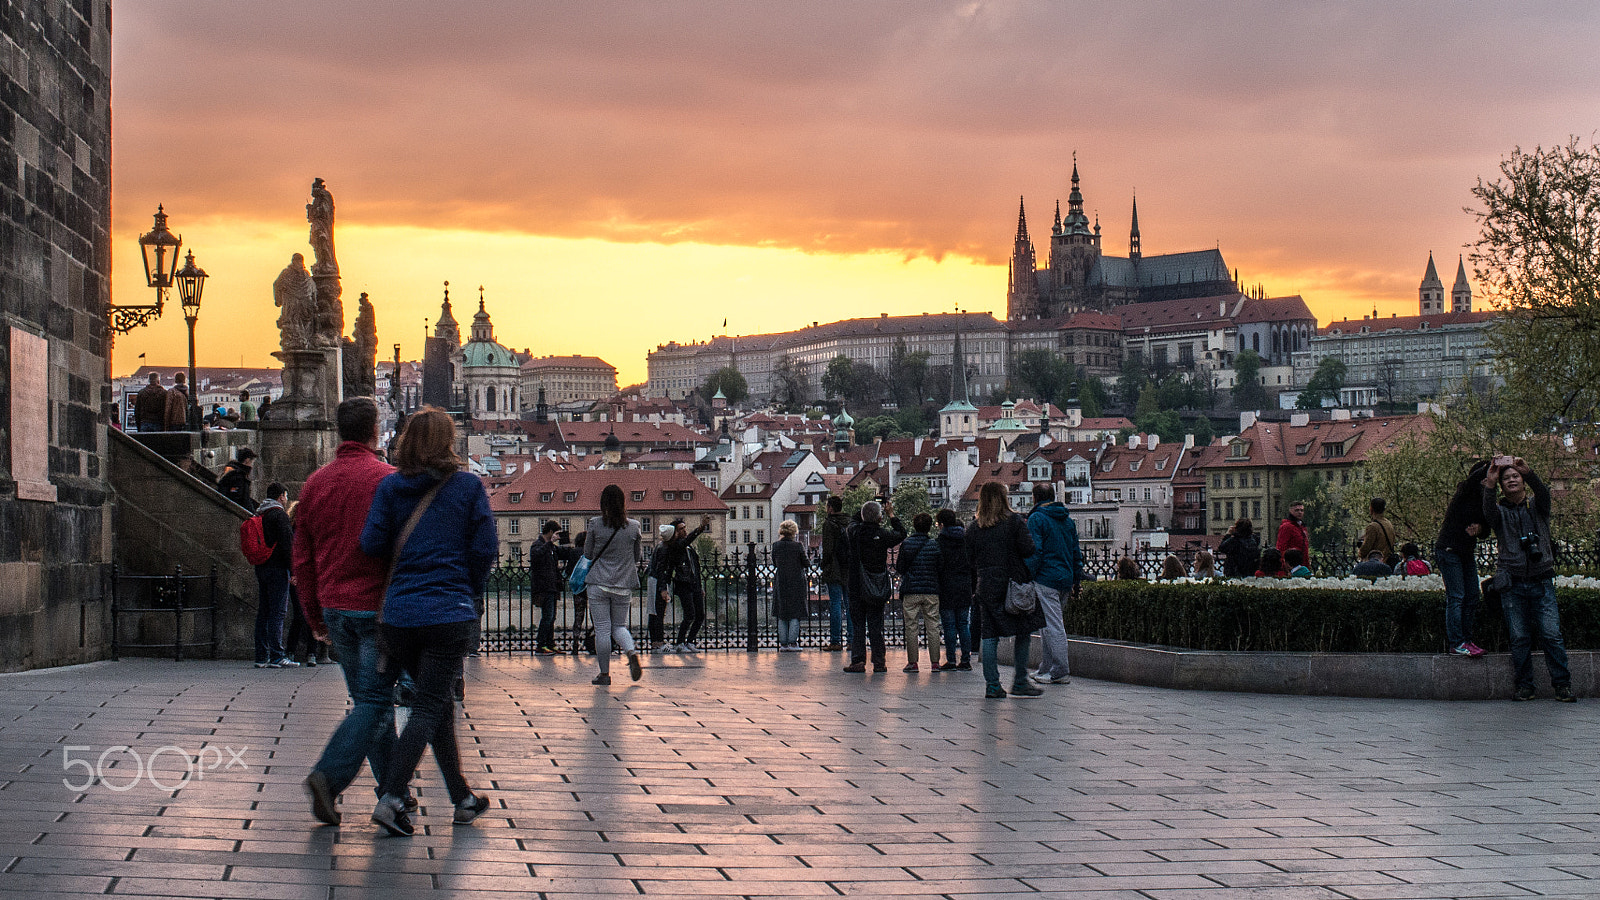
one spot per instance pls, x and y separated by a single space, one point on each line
1299 420
1133 442
1247 418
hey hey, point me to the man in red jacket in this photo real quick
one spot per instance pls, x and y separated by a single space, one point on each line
341 591
1292 532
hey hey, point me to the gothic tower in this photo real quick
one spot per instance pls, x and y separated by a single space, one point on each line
1074 250
1461 294
1133 236
1431 293
446 327
1022 297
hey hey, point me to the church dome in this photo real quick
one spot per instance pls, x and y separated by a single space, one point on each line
487 354
843 420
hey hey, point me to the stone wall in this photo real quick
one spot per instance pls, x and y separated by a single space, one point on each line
166 517
55 264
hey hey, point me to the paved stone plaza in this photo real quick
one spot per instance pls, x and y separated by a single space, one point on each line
736 775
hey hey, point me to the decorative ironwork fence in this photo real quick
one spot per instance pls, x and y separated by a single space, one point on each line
163 612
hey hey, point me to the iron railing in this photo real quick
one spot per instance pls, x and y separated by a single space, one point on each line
164 607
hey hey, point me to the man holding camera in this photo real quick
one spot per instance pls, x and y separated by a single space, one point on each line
1525 572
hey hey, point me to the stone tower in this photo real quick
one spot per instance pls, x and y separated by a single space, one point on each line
1461 293
1022 297
1431 293
1074 247
1133 235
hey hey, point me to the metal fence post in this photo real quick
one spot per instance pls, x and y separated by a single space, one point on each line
114 604
751 637
177 613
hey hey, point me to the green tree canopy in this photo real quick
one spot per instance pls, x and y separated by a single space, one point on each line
1324 384
846 380
1130 381
1040 374
1202 429
790 387
911 497
1093 398
854 497
729 381
1247 390
1163 423
907 375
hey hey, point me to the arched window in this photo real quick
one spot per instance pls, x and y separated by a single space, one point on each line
1255 342
490 397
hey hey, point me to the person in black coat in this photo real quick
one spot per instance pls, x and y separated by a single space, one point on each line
869 543
997 545
789 604
547 559
955 592
235 481
1455 555
1241 551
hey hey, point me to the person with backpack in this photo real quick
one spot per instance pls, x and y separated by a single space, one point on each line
235 481
1057 569
682 567
1411 561
867 544
918 565
998 546
955 592
272 579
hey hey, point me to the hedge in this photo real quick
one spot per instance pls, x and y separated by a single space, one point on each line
1220 616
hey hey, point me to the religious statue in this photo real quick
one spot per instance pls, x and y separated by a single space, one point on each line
361 354
296 294
319 212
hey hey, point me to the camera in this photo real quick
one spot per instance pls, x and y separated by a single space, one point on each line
1530 548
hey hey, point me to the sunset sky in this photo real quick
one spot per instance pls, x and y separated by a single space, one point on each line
621 174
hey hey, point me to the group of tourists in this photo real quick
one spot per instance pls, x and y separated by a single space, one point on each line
157 408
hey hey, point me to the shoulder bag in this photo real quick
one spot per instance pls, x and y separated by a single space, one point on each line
1022 597
577 582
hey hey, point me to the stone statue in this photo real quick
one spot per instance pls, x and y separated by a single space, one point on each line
361 354
319 212
296 294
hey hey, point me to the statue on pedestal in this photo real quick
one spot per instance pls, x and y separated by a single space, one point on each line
296 294
330 311
361 354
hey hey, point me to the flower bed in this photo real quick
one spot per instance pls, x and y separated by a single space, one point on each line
1391 615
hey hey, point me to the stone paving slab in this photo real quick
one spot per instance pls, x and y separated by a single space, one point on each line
776 775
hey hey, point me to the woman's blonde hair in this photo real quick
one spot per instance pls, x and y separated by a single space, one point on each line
789 528
992 505
428 443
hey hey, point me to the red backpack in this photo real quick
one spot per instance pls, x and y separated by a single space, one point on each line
253 541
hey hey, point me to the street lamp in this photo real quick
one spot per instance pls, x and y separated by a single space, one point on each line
191 282
159 248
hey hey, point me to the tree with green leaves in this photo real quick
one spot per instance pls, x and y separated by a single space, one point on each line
1131 379
1324 384
1040 374
1202 429
1538 254
1093 398
1147 404
728 380
1247 390
907 375
1163 423
911 497
853 498
841 379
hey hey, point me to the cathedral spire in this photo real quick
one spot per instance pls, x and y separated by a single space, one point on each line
1056 229
1022 297
1461 293
1022 220
1133 235
1430 294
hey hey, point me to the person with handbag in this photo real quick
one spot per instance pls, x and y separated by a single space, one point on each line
867 542
613 553
431 522
998 546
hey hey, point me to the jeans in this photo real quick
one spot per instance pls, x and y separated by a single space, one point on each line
693 601
150 426
1529 605
866 621
788 632
838 616
991 661
657 622
432 655
546 636
271 606
1053 659
610 610
367 732
923 607
1460 574
956 633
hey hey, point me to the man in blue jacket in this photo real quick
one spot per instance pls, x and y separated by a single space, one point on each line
1057 569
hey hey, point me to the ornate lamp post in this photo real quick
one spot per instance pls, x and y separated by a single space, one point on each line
191 282
160 250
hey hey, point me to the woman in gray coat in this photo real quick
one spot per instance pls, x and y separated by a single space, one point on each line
789 606
616 549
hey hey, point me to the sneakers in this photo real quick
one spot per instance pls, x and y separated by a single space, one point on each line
834 648
1523 693
601 679
1025 690
688 648
1564 694
470 808
911 667
286 664
311 662
996 692
1474 650
390 813
544 651
856 668
1460 650
1038 678
664 648
323 799
634 669
268 666
948 666
965 666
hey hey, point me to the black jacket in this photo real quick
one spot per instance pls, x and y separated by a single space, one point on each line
279 534
997 555
789 559
918 565
868 547
681 566
1465 508
1241 556
235 485
955 570
546 562
834 564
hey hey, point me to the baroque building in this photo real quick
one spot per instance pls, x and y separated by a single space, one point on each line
1080 276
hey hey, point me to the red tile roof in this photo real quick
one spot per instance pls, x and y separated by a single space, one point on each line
585 486
1405 323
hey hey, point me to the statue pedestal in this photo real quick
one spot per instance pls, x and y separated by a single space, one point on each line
299 436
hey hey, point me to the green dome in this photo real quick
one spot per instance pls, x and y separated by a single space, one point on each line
843 420
487 354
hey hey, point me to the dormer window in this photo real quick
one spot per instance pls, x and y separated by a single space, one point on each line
517 497
570 497
1239 450
546 496
686 495
1134 466
638 496
669 495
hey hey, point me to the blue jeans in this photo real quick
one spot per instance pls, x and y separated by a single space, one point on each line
1529 605
956 633
788 632
991 661
838 615
272 605
1460 574
367 732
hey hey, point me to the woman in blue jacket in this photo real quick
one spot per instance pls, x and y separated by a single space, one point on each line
429 620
